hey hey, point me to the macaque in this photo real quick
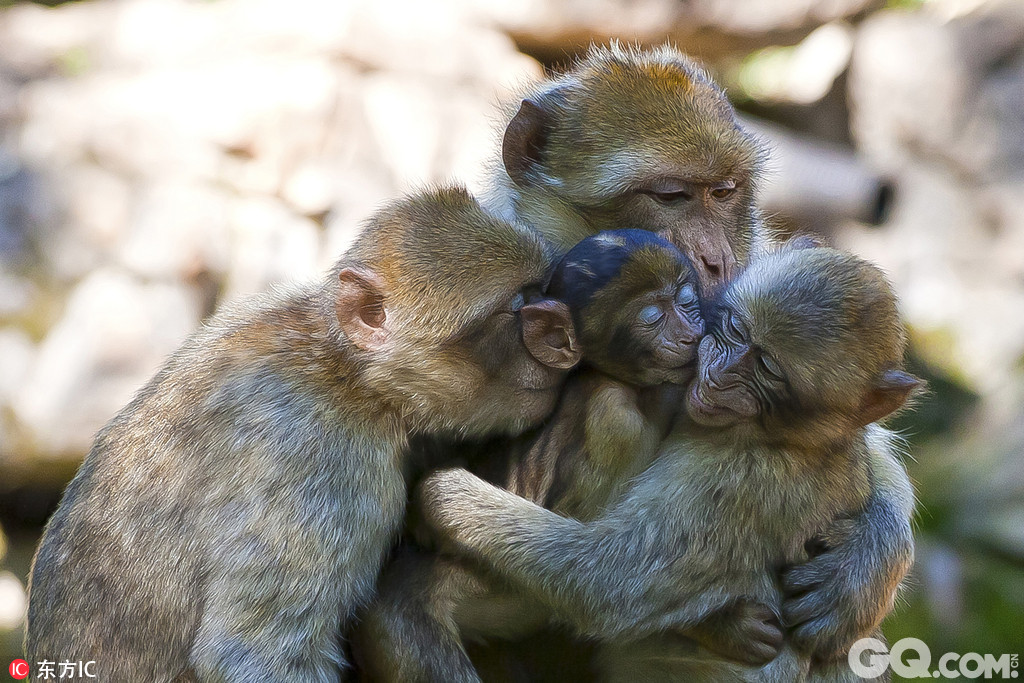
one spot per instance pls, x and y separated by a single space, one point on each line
228 522
632 138
636 139
635 307
804 352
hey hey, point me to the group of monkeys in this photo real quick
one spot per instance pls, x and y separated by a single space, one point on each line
662 420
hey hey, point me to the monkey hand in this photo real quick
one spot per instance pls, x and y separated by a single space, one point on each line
747 631
847 587
440 501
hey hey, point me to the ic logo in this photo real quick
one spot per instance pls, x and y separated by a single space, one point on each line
19 669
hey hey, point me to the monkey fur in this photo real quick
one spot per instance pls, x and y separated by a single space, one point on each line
804 352
228 522
636 309
645 138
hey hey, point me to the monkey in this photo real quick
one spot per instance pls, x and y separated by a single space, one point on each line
645 139
227 523
804 352
636 309
636 139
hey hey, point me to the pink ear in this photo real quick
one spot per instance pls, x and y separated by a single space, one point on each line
549 335
890 392
360 308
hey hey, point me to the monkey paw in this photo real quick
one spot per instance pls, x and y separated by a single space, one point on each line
747 632
441 501
841 594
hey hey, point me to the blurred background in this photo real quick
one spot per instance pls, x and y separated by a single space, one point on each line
159 157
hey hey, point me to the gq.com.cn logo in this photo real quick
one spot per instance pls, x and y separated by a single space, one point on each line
869 658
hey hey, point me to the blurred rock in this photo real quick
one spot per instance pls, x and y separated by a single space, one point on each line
114 333
162 156
938 105
13 601
551 29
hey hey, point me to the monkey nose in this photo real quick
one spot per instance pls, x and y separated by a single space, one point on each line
711 271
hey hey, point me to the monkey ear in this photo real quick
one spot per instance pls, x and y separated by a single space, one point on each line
360 308
549 334
890 392
522 148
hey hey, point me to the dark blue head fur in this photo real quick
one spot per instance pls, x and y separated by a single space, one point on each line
596 261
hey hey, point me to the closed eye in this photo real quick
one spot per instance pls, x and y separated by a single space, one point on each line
650 314
687 295
735 327
518 301
771 368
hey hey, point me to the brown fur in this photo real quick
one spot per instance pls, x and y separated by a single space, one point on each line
725 504
609 422
575 154
229 521
586 148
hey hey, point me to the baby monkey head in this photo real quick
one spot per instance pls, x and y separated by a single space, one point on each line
805 346
635 306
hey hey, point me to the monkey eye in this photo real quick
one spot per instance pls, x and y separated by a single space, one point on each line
650 314
670 197
724 191
770 367
668 190
518 301
735 326
687 295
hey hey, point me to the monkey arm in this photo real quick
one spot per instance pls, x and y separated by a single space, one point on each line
844 593
615 577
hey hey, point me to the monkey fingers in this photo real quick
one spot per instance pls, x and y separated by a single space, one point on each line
748 632
820 610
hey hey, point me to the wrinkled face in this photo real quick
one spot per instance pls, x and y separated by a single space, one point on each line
522 357
706 219
655 334
644 141
737 380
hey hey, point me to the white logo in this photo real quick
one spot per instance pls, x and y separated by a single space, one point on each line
869 658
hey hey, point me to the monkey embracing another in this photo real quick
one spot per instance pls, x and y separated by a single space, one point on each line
634 302
804 352
228 522
644 138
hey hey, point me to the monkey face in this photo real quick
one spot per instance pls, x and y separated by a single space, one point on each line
501 374
636 305
645 140
525 351
733 377
804 346
655 340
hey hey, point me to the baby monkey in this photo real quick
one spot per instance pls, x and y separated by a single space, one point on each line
634 302
805 350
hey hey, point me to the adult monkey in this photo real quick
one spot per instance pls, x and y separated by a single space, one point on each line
645 139
632 139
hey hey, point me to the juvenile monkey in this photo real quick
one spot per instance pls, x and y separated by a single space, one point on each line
635 307
804 352
228 522
646 139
